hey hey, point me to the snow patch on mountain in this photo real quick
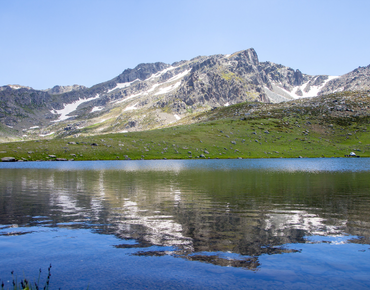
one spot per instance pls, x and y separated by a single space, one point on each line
168 89
179 76
284 94
163 90
314 90
44 135
69 108
95 109
17 87
122 85
130 108
158 74
128 98
151 89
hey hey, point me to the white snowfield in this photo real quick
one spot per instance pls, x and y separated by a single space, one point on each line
128 98
168 89
313 92
164 90
151 89
95 109
122 85
69 108
44 135
158 74
179 76
177 117
130 108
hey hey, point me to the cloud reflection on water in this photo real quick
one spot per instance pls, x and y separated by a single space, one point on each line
243 207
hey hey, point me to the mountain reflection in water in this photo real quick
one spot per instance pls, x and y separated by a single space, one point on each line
226 217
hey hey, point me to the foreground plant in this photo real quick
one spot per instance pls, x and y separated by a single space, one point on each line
25 284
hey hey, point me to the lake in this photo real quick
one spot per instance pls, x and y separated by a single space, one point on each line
198 224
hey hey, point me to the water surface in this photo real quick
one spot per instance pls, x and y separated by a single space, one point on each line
265 223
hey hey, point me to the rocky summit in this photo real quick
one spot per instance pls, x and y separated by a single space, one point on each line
156 95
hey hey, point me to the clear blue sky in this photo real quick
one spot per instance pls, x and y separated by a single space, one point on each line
64 42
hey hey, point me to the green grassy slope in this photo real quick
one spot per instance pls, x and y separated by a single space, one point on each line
329 126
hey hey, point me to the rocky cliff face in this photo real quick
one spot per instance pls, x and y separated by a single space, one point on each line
22 103
57 90
158 94
356 80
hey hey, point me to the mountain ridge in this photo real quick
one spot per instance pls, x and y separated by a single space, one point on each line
153 95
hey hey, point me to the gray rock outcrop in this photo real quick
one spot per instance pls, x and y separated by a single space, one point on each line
8 159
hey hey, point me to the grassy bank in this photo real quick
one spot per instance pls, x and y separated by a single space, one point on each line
332 126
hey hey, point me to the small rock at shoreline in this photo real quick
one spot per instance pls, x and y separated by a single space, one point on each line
8 159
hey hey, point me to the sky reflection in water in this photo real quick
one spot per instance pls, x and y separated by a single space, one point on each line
192 223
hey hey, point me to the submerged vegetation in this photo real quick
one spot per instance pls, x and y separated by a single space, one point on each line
327 126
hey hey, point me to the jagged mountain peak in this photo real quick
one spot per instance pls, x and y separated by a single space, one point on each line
17 87
249 54
141 72
56 90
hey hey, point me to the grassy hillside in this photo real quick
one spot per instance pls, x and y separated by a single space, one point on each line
329 126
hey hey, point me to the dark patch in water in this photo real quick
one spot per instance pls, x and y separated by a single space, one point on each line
360 240
151 253
248 263
130 246
15 233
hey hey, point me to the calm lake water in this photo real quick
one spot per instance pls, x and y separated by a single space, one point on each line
240 224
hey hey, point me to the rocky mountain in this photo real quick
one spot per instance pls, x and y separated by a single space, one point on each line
56 90
155 95
356 80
